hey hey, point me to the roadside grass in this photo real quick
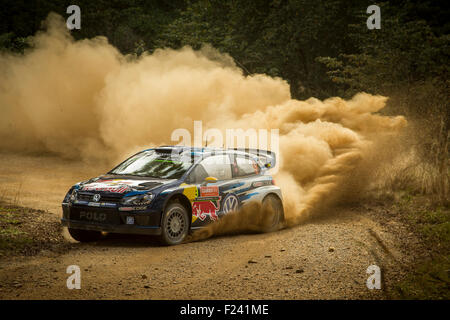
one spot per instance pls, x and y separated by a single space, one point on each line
11 236
14 239
430 281
430 278
25 231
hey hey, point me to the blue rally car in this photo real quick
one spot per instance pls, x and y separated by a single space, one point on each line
169 191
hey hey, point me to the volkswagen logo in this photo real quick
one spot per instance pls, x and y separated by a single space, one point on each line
231 203
96 197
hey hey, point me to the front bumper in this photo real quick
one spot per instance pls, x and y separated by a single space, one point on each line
111 220
128 229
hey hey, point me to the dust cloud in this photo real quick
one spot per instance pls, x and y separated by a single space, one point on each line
85 100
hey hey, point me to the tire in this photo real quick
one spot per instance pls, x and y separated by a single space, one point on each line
174 224
85 235
274 220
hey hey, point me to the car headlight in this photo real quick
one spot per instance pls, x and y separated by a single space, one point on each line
70 196
139 200
73 196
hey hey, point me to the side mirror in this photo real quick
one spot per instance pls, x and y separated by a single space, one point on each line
210 180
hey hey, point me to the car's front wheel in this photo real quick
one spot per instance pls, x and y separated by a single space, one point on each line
174 224
85 235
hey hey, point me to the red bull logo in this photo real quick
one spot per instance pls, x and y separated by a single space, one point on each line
202 209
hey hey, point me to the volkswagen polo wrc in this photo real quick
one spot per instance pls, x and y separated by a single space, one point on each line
169 191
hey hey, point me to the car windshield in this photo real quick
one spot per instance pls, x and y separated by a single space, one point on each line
154 164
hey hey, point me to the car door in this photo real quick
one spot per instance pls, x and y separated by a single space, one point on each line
248 178
207 206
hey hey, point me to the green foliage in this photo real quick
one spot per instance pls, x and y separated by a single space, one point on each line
124 23
322 48
431 222
397 56
279 38
10 234
434 225
430 277
8 42
429 281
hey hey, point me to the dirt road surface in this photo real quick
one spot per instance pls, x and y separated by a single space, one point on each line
325 258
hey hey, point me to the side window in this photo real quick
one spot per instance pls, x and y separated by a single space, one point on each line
246 166
217 166
198 175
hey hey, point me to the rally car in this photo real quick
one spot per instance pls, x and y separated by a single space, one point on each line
171 190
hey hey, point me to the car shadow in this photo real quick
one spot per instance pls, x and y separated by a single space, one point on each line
110 240
127 240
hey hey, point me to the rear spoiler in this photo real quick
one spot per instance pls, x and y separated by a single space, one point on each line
266 157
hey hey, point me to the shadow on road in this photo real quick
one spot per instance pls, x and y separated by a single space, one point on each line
127 240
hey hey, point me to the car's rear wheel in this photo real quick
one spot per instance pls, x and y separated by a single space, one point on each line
273 211
174 224
85 235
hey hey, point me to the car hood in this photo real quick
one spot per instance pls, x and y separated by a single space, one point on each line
122 184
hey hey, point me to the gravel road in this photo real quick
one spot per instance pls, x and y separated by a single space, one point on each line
324 258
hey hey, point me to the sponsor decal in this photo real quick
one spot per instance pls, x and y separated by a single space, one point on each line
231 203
257 184
132 208
203 209
94 204
245 197
95 216
190 191
115 189
126 209
209 191
207 204
205 201
116 186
